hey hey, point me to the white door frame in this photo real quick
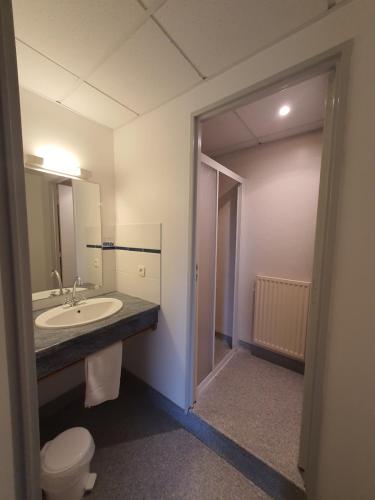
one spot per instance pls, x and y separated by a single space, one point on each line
336 60
20 430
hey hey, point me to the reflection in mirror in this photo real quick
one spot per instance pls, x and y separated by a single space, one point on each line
64 228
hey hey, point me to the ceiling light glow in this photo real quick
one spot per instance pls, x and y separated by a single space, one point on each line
59 160
284 110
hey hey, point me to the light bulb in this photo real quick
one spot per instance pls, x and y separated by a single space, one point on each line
284 110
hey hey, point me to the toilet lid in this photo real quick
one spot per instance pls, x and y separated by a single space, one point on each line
67 449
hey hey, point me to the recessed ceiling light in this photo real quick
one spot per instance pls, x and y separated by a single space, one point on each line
284 110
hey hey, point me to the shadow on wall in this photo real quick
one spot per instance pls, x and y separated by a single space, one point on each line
144 354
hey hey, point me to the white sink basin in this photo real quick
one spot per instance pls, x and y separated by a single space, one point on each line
88 311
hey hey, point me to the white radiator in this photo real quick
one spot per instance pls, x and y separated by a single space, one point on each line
280 315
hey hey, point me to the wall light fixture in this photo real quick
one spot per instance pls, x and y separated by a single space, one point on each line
56 161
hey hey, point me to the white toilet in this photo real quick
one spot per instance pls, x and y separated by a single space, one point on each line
65 465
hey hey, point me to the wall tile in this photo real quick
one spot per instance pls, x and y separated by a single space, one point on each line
146 236
145 288
129 261
139 236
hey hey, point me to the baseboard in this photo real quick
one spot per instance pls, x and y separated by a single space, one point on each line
226 338
273 357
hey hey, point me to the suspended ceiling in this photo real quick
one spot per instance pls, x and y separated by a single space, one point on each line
114 60
259 122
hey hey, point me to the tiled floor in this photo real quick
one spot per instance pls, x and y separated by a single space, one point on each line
258 405
142 453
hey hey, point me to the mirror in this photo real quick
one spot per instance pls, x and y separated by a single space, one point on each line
64 226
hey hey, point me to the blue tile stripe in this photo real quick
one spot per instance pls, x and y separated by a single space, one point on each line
128 249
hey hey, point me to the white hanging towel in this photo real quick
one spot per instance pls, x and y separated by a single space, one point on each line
103 373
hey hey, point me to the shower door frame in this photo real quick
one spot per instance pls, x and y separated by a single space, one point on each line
220 169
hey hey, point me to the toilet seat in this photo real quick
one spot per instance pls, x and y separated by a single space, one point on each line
68 450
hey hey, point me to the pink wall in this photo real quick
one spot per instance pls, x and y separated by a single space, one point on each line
280 199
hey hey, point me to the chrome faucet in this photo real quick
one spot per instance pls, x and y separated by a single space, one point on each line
61 290
75 298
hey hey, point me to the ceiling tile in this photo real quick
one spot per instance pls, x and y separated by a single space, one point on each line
217 34
306 100
97 106
234 147
42 76
290 132
146 71
151 3
75 34
224 130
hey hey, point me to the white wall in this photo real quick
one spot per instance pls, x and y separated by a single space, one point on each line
153 160
152 185
128 279
279 204
44 122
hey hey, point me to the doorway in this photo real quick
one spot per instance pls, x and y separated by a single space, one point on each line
280 182
318 298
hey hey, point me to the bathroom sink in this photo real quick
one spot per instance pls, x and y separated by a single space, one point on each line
88 311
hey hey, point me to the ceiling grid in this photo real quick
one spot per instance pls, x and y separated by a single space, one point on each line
117 60
259 122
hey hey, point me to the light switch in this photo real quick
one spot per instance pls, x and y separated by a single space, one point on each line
141 270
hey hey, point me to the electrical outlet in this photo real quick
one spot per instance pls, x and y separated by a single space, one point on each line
141 270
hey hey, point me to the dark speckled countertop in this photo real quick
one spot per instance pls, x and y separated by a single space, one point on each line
58 348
